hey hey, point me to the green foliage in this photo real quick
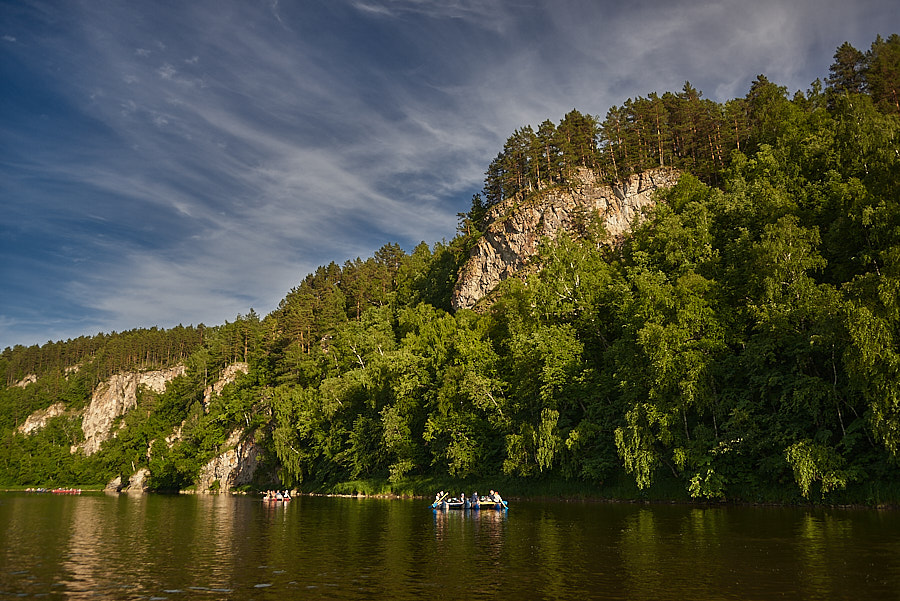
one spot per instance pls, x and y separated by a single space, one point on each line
813 462
98 357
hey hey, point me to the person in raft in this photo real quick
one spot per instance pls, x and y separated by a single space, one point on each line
495 496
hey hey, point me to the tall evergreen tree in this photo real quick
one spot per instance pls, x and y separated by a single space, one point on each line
882 73
847 73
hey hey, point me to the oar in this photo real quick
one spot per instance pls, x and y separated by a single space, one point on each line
438 502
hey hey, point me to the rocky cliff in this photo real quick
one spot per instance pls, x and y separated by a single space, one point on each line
229 375
38 420
114 397
234 467
517 228
237 464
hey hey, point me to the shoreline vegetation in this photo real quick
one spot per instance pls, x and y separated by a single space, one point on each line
564 492
740 345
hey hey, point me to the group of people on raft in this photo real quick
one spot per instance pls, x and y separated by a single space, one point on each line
443 500
56 491
276 495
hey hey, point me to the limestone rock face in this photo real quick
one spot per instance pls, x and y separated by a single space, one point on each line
232 468
114 398
515 231
38 420
28 379
138 481
229 375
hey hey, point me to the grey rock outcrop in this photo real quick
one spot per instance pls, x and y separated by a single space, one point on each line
114 398
28 379
229 375
139 481
232 468
516 229
38 420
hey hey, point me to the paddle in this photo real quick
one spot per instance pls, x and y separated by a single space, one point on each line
438 502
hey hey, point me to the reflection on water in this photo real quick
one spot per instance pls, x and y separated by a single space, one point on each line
640 553
86 564
217 547
451 523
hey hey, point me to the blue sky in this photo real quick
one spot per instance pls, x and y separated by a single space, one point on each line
181 161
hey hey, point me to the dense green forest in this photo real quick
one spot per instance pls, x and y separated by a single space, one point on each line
742 343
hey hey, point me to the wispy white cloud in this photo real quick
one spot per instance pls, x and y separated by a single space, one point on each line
167 71
483 13
374 9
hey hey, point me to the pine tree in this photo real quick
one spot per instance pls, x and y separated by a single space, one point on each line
847 71
882 73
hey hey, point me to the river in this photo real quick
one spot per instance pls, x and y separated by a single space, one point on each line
102 546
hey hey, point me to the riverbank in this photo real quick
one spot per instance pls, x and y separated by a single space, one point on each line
878 495
869 495
48 488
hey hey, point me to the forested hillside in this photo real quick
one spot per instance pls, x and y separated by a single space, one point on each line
742 343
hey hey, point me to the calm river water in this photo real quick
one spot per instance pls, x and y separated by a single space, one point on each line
98 546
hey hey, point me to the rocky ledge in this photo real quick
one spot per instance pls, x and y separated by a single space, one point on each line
517 228
114 398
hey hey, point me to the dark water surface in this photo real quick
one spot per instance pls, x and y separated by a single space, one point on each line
99 546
